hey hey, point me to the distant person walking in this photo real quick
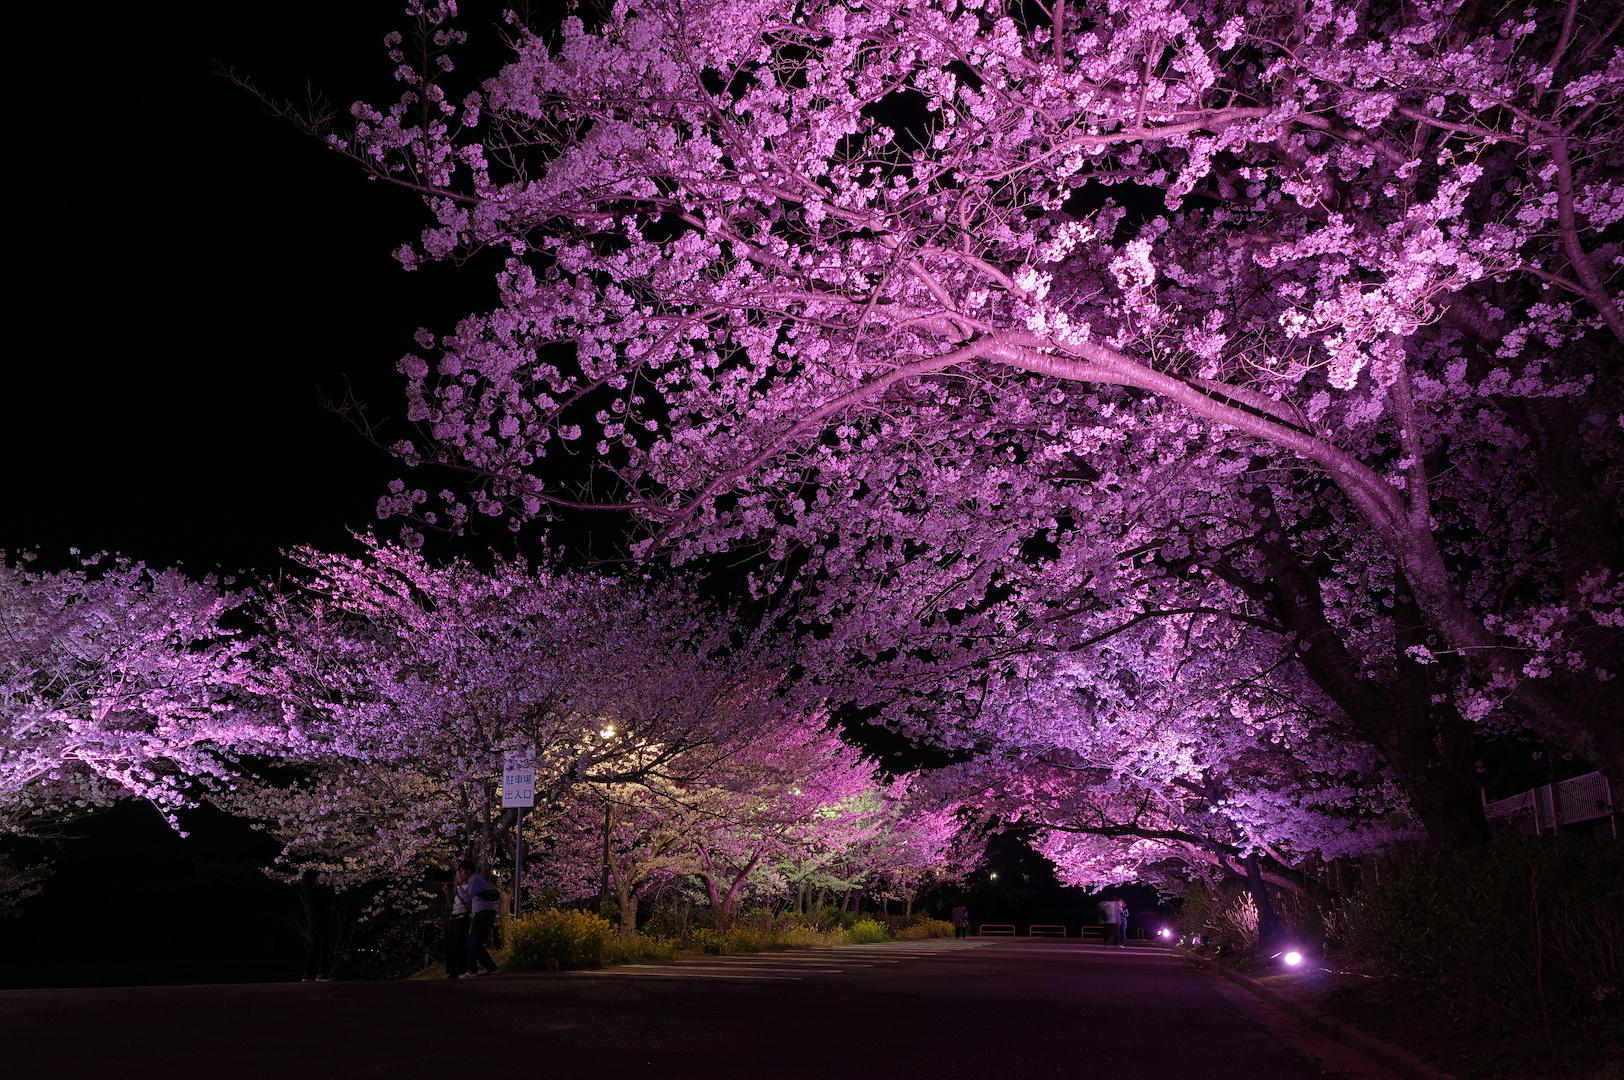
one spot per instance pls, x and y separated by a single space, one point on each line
961 921
483 900
458 916
1114 914
316 898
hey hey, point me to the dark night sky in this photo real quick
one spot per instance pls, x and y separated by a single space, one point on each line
189 275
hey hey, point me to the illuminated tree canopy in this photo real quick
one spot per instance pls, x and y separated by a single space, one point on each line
119 681
1004 333
1200 418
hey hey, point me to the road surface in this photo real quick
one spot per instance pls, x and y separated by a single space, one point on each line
937 1009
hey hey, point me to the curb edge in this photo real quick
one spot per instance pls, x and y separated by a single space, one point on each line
1400 1061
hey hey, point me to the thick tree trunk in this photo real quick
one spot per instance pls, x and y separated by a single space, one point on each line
628 908
623 886
1498 669
1271 933
1432 741
1428 747
712 893
732 898
1404 528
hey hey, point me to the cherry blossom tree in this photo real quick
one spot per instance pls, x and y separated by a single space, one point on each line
753 813
404 682
121 681
1175 746
798 795
1177 654
611 842
1022 326
913 840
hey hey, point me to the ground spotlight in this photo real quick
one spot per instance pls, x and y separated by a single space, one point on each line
1293 958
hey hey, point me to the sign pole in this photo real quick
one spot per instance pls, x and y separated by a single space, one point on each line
519 792
518 856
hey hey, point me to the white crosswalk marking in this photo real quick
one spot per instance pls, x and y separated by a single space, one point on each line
677 973
785 966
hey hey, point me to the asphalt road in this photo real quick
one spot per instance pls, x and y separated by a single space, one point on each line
930 1009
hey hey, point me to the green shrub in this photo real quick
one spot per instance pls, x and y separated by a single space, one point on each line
1227 918
748 939
551 940
1525 930
928 928
804 937
905 927
737 939
770 923
741 939
671 918
867 931
705 940
638 948
829 917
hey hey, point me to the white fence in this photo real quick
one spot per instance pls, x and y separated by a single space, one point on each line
1546 809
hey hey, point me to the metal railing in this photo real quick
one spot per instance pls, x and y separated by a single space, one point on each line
1054 930
1548 808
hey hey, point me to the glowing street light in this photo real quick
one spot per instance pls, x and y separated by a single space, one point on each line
606 733
1293 958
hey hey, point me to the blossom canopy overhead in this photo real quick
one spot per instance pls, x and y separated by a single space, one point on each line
995 330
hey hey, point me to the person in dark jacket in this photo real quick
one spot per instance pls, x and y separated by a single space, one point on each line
316 898
484 899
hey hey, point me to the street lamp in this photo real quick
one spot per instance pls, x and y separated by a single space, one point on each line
606 733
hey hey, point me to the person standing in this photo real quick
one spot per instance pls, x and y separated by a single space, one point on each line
961 921
316 898
1112 915
483 899
456 925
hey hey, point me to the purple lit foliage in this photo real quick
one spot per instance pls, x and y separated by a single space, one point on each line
777 808
403 683
119 681
1211 395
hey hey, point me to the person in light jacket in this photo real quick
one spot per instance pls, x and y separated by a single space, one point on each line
483 899
456 924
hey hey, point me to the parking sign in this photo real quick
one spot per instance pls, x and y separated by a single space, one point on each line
519 778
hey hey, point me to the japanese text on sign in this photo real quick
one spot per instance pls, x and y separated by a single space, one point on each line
518 778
